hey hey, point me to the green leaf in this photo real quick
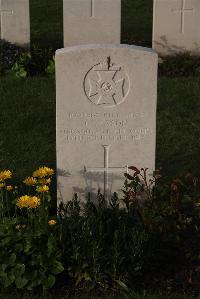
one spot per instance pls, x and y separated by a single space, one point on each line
20 282
57 268
12 259
49 282
7 281
122 285
19 269
50 245
27 246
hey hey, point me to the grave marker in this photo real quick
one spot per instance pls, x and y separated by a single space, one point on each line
106 116
14 21
175 26
91 21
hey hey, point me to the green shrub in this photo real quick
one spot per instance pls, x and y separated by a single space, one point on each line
22 62
148 239
30 255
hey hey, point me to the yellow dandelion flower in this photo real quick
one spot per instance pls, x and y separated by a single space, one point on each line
44 181
42 189
34 202
52 222
2 185
30 181
9 188
23 201
43 172
5 174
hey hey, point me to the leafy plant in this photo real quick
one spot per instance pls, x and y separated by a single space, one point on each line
30 254
50 70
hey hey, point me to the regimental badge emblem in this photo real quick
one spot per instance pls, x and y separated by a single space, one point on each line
107 84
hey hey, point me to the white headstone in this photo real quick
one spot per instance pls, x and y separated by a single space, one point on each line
91 21
15 22
106 116
176 26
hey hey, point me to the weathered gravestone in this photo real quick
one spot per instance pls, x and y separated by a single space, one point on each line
91 21
106 116
15 22
176 26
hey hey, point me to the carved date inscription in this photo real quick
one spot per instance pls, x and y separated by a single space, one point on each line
104 127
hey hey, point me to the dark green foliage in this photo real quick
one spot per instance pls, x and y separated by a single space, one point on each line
150 243
148 239
28 258
21 63
57 294
9 54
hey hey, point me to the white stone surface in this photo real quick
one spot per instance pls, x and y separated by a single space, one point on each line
15 21
91 21
176 26
106 116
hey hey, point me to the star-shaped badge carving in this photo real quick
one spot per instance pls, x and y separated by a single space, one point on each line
106 90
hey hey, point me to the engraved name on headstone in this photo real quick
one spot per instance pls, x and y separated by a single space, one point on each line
175 26
91 21
106 116
15 22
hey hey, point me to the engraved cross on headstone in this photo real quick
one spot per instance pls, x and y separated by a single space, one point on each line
183 10
3 11
106 169
91 8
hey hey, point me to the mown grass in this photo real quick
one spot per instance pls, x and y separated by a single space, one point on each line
88 296
27 116
27 121
27 107
46 23
47 26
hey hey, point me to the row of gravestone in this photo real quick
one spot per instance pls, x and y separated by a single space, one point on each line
175 29
106 100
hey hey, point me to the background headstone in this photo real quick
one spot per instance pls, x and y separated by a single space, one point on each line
176 26
15 21
106 116
91 21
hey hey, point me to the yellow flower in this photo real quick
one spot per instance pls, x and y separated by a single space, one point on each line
34 202
42 189
43 172
9 188
5 174
52 222
29 202
23 201
44 181
2 185
30 181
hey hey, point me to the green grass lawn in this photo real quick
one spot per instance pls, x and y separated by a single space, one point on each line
27 107
27 110
27 135
46 22
161 296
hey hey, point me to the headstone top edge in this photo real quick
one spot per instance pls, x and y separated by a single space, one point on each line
105 46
